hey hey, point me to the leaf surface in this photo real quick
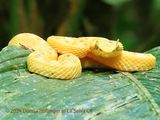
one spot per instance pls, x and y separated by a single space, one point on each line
95 95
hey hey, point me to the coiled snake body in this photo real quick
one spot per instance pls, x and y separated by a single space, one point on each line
76 52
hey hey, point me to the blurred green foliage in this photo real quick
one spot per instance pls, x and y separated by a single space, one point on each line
134 22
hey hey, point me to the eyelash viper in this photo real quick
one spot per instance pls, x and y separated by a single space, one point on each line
75 53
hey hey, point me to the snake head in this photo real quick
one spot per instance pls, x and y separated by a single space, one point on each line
106 48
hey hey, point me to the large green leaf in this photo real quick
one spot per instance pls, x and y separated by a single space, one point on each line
151 79
94 95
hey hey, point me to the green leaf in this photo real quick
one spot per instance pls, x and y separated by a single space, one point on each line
94 95
156 5
151 79
116 2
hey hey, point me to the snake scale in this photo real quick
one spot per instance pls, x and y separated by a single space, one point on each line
64 57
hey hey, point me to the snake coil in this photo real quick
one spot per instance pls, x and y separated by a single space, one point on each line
76 52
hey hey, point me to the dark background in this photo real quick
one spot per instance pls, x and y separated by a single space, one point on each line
135 22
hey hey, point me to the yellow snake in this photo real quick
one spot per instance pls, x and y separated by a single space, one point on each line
75 53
